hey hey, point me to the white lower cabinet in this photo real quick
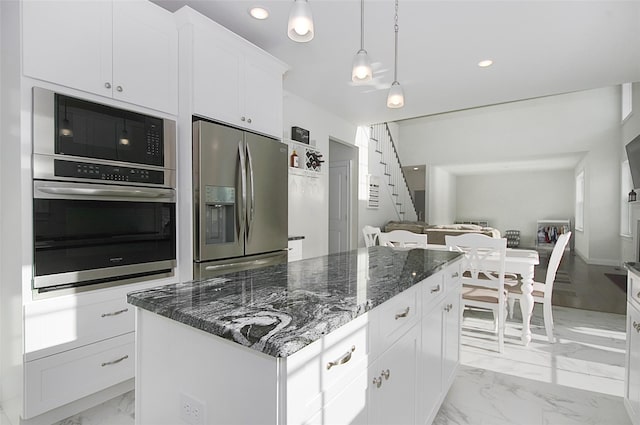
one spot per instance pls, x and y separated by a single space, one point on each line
68 376
430 365
632 366
392 382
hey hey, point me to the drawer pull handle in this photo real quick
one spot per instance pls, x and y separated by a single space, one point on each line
115 361
385 374
377 381
455 274
447 308
405 313
342 359
436 289
636 326
115 313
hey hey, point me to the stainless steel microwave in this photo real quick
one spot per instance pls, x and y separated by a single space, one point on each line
77 139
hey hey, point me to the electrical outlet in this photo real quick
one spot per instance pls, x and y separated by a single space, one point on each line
191 410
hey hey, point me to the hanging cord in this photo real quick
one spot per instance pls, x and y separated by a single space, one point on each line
362 25
395 27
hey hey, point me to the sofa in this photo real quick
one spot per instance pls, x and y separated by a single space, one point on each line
436 233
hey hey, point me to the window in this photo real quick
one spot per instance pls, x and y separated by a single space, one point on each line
627 101
626 185
580 200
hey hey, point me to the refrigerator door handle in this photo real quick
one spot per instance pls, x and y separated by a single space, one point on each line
253 197
243 189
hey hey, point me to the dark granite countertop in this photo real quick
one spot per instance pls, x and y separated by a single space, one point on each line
633 266
280 309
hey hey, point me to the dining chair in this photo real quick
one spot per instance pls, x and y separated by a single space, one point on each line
371 235
483 272
403 239
542 291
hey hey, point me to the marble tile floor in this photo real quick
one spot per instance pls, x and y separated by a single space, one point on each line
577 380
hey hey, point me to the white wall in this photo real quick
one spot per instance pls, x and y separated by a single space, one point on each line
631 129
514 201
441 207
573 123
308 196
15 194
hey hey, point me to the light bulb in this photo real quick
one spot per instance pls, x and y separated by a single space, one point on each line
301 26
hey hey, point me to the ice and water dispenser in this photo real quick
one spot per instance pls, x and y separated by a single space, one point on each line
220 208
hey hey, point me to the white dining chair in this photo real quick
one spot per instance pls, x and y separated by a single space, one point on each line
542 291
371 235
483 285
403 239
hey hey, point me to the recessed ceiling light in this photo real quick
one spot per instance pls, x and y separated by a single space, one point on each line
259 12
415 168
485 63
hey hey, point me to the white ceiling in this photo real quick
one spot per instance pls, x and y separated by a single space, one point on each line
539 48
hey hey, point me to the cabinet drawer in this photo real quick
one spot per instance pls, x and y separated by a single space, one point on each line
394 317
633 286
55 325
323 369
432 290
62 378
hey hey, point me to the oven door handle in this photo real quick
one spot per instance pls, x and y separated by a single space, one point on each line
48 190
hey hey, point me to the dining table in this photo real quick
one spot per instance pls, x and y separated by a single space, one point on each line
521 262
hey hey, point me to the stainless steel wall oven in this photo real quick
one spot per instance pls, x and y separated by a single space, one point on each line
103 194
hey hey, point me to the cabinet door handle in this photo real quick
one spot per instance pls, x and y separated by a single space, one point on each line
446 308
377 381
436 289
249 120
115 361
119 88
455 274
385 374
405 313
342 359
115 313
638 296
242 119
636 326
107 85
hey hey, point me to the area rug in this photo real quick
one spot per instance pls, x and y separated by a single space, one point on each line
620 280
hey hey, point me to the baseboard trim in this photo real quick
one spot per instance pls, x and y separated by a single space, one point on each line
599 261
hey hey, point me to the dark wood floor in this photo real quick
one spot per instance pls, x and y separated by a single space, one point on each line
584 286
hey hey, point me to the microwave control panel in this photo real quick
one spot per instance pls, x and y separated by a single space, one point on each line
85 170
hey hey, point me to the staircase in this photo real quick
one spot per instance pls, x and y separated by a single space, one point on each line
389 159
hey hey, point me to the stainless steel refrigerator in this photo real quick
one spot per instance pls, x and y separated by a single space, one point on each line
240 200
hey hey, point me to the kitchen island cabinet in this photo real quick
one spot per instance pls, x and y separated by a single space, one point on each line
333 339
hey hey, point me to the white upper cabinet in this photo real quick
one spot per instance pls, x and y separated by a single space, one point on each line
233 81
125 50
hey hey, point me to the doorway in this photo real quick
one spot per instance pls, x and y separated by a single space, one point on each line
342 200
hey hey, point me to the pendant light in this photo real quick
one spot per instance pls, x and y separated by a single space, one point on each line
300 26
395 99
66 130
361 71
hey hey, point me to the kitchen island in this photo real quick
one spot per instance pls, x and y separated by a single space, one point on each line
367 336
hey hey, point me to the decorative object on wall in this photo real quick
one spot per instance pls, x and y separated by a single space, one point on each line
395 99
374 192
300 134
300 27
362 71
632 196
